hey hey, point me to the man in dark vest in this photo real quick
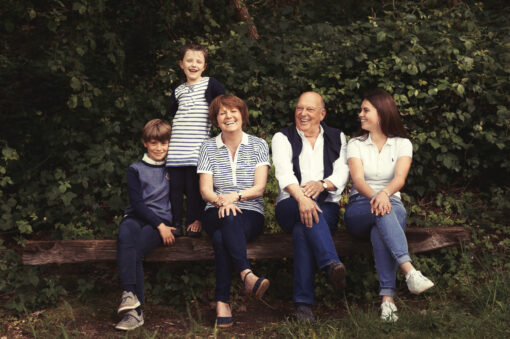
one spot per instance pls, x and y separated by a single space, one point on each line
311 168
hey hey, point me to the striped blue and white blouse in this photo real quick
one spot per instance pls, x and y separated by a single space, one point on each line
191 125
234 175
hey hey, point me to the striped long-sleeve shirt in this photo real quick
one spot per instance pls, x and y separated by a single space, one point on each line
191 125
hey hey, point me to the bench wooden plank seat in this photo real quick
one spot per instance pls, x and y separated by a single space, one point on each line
267 246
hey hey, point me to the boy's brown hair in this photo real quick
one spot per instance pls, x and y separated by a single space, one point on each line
157 129
194 47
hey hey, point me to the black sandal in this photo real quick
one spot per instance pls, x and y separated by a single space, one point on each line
260 287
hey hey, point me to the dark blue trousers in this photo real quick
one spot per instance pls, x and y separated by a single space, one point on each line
229 237
313 246
135 240
184 180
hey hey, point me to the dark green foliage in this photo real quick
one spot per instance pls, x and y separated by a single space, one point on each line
79 79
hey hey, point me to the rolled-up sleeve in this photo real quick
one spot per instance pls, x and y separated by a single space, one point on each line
340 174
263 154
282 161
204 164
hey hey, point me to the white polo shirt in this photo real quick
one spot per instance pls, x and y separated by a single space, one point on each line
379 167
311 164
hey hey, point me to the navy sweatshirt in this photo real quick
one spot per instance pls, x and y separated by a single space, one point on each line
148 189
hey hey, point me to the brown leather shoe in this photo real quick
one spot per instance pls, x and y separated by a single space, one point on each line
337 273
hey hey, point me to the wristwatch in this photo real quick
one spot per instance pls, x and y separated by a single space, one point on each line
239 196
324 185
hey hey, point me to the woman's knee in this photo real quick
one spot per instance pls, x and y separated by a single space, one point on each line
217 240
231 220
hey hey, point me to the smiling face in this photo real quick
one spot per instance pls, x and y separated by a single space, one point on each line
230 119
156 150
309 113
369 117
193 64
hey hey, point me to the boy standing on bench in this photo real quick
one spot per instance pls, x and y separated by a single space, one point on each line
146 220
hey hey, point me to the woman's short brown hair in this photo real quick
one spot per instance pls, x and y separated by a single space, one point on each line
157 129
229 101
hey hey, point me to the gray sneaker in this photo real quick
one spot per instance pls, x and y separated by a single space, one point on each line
130 321
128 302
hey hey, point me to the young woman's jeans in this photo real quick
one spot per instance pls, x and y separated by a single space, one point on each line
312 245
229 237
134 241
386 234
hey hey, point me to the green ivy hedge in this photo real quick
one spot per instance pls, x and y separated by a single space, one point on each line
79 79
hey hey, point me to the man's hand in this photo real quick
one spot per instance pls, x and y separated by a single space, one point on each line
308 210
166 234
312 189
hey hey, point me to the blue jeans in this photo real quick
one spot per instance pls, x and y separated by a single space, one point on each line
229 237
135 240
386 233
313 246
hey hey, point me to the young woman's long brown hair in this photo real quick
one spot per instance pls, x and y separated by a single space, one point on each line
390 121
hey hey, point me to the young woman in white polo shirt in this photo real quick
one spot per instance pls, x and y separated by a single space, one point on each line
379 160
233 171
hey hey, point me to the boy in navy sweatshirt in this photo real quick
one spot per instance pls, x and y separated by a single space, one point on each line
146 220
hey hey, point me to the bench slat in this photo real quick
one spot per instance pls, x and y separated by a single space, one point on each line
267 246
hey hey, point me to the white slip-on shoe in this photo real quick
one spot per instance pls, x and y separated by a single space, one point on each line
417 282
388 310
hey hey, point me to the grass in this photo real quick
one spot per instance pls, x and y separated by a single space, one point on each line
474 308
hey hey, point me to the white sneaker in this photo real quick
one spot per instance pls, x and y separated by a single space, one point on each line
388 310
417 283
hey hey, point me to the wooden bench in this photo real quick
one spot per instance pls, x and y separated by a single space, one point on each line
267 246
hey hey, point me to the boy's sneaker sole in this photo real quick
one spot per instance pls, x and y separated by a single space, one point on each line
128 302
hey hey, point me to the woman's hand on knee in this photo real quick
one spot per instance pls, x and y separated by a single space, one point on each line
380 204
225 211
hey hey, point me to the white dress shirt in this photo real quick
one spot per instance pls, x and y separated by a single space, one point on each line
311 164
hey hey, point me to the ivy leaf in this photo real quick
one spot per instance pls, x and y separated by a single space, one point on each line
381 36
75 83
72 102
460 90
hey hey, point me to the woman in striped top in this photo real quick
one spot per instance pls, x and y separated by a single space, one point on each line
233 171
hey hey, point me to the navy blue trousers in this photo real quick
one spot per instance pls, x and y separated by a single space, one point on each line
184 180
313 246
229 237
135 240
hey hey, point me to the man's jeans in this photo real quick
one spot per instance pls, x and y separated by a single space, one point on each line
312 245
386 234
229 237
